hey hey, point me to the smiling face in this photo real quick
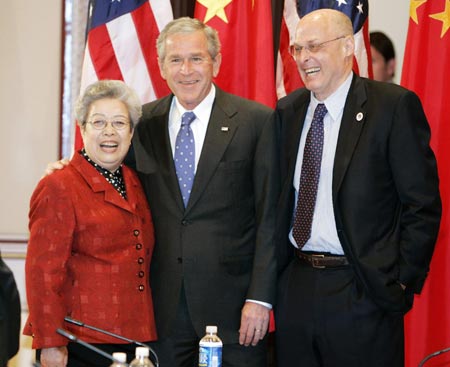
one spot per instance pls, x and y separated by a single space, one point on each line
107 147
325 68
188 67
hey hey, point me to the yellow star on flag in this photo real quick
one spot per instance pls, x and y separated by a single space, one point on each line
413 9
215 8
444 17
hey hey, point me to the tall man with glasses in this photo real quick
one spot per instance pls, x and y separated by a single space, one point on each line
359 209
208 163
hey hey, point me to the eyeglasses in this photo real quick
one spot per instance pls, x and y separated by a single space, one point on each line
296 50
116 124
192 60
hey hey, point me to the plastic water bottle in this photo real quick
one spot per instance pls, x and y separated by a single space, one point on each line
121 359
210 349
141 359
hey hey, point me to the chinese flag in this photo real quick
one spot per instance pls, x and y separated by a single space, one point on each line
426 71
245 32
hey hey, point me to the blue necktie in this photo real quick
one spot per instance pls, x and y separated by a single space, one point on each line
185 156
309 178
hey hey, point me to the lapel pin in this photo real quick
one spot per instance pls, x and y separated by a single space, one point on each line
224 128
359 116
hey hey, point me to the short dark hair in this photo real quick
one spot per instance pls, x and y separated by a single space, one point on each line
383 45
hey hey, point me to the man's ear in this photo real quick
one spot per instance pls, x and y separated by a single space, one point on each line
390 65
216 64
161 68
349 46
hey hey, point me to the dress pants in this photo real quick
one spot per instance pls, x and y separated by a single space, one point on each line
181 348
324 318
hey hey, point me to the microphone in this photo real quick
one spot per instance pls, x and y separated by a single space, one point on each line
433 355
82 324
74 339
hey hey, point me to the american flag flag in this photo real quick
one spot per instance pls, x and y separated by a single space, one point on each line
121 45
288 77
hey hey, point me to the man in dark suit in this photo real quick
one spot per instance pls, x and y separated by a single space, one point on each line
9 314
214 259
359 209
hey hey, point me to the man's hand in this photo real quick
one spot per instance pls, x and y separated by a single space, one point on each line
254 323
52 167
54 357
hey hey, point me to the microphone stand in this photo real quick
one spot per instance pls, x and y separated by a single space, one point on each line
74 339
433 355
82 324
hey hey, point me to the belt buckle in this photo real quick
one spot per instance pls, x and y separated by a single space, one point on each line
314 260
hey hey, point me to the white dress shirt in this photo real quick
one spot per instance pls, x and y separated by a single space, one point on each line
198 126
324 237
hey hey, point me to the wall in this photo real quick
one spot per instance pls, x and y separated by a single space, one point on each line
30 40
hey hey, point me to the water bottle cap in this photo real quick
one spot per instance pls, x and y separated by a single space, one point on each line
120 357
142 352
211 329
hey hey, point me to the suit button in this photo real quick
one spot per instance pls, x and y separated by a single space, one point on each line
141 288
136 232
180 260
141 260
184 222
138 246
141 274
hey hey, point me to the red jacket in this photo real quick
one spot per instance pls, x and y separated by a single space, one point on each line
89 257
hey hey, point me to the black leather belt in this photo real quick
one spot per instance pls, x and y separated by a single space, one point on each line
322 261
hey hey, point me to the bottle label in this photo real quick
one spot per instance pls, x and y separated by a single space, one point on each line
210 356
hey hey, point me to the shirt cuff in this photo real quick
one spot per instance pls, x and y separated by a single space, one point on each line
265 304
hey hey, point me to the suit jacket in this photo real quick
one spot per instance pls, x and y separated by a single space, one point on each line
385 187
88 257
9 314
221 246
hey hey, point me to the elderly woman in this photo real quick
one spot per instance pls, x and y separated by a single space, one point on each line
91 239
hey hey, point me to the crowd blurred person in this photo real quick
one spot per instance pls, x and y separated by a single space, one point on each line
91 239
383 57
9 314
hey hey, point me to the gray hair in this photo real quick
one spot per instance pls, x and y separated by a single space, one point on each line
187 25
103 89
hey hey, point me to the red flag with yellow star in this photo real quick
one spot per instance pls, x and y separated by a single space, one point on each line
426 71
245 31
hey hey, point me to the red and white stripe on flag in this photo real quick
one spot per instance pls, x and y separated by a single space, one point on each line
121 45
287 75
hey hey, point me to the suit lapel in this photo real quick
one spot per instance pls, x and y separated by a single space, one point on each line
98 183
132 186
159 136
352 123
221 129
294 131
